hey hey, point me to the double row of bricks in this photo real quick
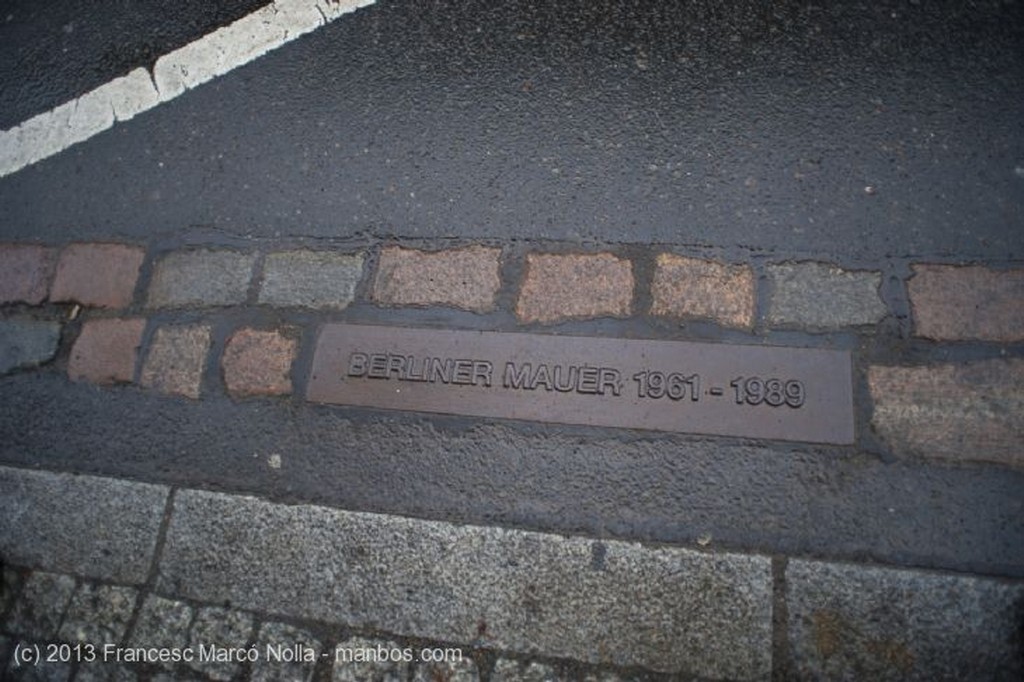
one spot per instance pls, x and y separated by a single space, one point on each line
948 304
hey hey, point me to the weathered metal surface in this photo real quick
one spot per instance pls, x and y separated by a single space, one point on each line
796 394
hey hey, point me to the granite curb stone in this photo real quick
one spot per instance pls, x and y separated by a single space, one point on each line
612 602
94 527
863 622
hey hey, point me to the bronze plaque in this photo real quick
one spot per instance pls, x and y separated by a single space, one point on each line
797 394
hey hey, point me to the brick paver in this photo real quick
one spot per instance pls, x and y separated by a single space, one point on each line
969 412
204 277
259 362
310 279
575 286
694 288
26 342
465 278
176 359
101 275
958 303
106 351
822 296
25 272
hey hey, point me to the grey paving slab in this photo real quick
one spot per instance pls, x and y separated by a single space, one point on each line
26 343
661 608
40 608
92 527
855 622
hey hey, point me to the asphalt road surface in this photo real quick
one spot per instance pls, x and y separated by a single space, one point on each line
842 131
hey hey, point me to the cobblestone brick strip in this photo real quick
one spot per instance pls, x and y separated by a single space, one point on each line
575 286
25 273
862 622
953 303
968 412
310 279
701 289
600 602
204 277
94 527
101 275
461 278
822 296
106 351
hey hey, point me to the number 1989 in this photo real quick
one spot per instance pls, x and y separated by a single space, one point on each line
774 392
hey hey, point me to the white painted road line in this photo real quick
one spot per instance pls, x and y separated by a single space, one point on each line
202 60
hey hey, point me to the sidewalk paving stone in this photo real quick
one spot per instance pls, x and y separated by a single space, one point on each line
281 636
98 614
40 608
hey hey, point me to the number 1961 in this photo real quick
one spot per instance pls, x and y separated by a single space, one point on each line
774 392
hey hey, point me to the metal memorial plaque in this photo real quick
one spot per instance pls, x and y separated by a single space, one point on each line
796 394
